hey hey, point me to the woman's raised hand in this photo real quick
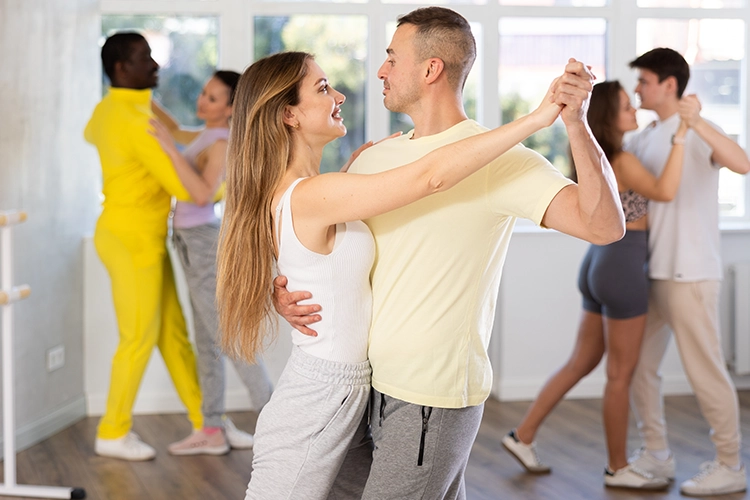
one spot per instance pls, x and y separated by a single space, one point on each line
162 135
548 110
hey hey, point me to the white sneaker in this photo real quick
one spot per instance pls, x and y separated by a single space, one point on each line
525 454
236 438
715 478
632 477
129 447
646 462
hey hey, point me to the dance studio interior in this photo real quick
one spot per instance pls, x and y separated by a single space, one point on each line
62 336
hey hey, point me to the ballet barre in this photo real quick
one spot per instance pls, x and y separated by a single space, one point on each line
8 295
8 218
15 294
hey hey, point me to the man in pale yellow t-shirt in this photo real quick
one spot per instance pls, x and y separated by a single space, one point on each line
138 181
439 260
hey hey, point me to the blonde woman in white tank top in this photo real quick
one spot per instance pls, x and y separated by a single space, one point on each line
280 211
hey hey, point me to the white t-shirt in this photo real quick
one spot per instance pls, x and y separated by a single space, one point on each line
684 242
437 269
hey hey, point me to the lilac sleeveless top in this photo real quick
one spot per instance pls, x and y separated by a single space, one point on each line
188 214
634 205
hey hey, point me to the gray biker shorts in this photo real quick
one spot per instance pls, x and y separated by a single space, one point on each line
613 278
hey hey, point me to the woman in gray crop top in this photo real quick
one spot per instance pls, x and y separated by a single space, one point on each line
614 286
280 211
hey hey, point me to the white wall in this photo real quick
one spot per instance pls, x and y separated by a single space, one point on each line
47 91
539 308
535 327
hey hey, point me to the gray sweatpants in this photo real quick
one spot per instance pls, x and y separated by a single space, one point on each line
421 452
197 247
311 439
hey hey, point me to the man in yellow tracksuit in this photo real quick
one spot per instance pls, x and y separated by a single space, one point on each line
130 238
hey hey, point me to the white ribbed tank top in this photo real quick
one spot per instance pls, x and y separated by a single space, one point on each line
339 282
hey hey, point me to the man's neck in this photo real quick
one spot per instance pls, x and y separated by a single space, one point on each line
434 117
667 109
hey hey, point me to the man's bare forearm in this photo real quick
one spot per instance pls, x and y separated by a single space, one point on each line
599 207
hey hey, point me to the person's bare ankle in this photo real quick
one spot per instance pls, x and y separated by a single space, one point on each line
523 436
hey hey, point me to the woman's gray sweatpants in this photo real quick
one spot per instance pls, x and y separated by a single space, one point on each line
312 423
197 247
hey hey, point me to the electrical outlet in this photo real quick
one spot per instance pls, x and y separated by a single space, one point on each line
55 358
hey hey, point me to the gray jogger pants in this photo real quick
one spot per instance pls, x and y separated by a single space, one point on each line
197 247
421 452
312 422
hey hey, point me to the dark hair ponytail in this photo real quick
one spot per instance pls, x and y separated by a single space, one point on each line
230 79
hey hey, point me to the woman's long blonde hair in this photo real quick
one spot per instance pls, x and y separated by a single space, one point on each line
260 148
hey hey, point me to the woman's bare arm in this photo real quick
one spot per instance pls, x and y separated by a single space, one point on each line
633 175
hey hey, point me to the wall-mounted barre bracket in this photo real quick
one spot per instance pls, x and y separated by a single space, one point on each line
12 217
14 295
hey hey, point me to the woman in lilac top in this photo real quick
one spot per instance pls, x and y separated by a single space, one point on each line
200 167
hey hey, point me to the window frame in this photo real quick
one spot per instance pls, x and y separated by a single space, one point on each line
236 43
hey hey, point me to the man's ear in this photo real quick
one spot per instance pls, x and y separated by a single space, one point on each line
671 83
116 78
434 69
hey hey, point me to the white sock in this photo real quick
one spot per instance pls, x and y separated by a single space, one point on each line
661 455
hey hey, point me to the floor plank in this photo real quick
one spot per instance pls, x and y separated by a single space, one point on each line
571 441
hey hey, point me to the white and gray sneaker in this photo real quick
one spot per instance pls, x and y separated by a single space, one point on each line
645 461
631 477
130 447
715 478
525 454
237 439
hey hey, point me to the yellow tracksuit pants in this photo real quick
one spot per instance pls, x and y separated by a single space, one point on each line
148 315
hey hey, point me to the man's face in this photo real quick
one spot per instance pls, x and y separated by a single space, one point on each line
400 71
650 90
140 71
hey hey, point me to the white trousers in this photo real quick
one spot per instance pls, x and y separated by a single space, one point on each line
691 312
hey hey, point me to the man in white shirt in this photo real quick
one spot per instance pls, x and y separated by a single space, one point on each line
685 272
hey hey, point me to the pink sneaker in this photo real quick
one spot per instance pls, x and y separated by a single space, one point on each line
201 443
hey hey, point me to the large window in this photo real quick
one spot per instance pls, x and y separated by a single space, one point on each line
522 45
534 51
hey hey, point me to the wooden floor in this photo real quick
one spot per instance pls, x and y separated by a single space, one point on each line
571 442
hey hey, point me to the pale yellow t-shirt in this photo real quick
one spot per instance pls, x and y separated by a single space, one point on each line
437 270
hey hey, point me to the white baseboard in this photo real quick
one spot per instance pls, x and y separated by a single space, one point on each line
168 402
593 387
52 423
